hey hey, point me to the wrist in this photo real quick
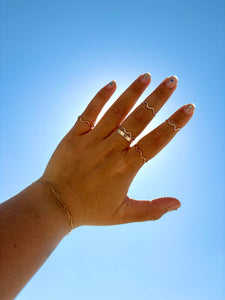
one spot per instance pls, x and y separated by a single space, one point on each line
50 208
58 201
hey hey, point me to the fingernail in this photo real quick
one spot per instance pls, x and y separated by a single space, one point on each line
188 109
173 207
171 82
110 85
145 78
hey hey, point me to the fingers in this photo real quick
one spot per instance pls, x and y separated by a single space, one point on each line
156 140
86 121
140 211
118 111
136 122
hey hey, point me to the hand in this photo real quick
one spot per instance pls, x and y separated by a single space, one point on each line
92 168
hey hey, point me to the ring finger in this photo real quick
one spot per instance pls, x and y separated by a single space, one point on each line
156 140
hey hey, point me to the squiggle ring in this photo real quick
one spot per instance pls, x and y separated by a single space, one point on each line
83 121
173 125
150 107
140 153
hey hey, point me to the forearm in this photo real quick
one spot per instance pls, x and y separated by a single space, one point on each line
32 224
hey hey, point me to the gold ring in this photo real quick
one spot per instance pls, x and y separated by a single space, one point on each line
173 125
125 134
150 107
140 153
84 121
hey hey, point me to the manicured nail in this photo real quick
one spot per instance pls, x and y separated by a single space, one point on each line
145 78
173 207
171 82
110 85
188 109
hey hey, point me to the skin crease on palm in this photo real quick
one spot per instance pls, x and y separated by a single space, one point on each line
92 168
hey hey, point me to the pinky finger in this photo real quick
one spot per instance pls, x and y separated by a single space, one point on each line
156 140
86 120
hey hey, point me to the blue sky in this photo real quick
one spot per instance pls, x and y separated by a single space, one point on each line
55 56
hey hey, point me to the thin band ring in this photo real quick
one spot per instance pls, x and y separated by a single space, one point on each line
140 152
87 122
150 107
125 134
173 125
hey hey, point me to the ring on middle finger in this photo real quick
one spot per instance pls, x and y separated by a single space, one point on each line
125 134
149 107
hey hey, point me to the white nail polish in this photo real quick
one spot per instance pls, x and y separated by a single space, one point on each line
110 85
188 109
171 82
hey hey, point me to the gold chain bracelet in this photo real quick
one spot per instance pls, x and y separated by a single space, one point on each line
58 198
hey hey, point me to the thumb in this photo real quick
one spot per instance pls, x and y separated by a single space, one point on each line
139 211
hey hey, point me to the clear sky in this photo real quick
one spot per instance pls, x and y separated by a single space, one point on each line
55 56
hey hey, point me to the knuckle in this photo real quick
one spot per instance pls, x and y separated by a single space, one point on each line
92 111
110 147
156 216
118 110
161 92
136 87
101 95
121 168
177 121
154 211
141 116
158 138
117 143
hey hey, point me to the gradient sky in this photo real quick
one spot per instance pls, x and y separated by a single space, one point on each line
55 56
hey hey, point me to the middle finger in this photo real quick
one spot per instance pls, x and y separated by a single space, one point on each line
118 111
136 122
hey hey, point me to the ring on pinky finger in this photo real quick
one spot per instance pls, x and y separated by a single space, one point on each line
175 128
140 152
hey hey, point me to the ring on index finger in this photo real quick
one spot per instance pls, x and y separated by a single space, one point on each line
80 118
